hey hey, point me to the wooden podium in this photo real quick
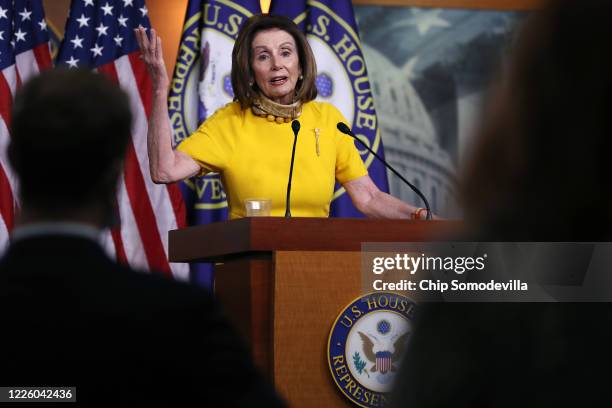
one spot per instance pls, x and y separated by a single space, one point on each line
284 281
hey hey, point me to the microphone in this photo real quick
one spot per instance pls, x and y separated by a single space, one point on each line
347 131
295 126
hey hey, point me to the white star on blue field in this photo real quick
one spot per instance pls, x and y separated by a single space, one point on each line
432 35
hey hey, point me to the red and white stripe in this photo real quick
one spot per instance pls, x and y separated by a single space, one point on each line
147 210
27 64
383 363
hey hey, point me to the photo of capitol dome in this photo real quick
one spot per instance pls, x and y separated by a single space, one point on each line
430 70
409 138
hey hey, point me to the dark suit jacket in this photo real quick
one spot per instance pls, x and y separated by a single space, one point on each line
508 355
71 316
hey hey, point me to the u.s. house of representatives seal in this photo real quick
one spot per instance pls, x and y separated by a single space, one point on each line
366 345
202 83
342 78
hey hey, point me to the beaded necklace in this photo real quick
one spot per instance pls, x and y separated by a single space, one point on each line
276 112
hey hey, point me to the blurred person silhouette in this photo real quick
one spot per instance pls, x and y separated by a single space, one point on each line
540 169
539 172
70 315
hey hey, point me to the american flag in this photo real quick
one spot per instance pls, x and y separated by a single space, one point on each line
100 35
24 51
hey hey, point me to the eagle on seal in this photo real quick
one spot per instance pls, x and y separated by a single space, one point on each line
383 354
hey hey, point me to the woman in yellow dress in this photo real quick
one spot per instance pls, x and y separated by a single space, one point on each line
249 141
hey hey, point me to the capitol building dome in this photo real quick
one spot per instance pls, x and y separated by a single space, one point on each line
409 138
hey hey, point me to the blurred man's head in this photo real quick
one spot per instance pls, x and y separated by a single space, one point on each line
69 133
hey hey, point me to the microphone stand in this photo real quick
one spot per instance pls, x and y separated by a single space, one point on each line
347 131
295 126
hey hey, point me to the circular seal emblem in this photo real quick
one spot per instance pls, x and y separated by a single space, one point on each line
342 78
366 345
201 83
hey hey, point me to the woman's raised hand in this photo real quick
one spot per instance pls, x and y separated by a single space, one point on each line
152 55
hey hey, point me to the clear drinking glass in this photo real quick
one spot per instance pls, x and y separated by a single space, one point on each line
258 207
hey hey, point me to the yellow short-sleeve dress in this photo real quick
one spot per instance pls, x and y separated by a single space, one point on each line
253 157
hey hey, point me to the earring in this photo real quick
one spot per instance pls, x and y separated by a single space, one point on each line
301 77
250 83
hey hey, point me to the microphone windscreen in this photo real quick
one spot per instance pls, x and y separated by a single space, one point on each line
295 125
343 128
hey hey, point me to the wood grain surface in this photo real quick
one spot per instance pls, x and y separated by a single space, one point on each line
311 289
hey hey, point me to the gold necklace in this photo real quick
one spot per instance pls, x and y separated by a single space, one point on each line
276 112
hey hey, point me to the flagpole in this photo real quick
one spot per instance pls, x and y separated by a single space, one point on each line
265 6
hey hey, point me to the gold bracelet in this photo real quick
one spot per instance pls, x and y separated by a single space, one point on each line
417 214
414 214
